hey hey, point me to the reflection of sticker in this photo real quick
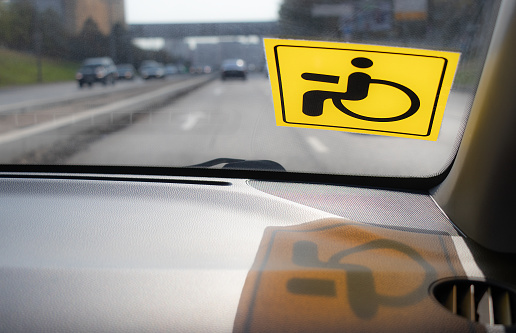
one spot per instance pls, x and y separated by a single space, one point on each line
360 88
331 275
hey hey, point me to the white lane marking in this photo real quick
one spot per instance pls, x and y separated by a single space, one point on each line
466 258
317 145
191 120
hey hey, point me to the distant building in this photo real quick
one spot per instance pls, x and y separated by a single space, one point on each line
105 13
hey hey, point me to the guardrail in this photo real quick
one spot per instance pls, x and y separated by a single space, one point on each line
81 95
16 143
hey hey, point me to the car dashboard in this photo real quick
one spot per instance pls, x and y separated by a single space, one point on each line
89 252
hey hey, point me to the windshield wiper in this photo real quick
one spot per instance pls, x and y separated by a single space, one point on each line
234 163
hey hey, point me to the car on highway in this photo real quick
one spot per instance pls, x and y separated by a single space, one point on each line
197 205
233 68
126 71
151 69
97 70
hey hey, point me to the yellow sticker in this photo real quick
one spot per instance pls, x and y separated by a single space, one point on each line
360 88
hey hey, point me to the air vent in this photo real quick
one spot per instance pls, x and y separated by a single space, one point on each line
479 301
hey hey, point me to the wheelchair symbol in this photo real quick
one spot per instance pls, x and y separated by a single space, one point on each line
358 89
361 286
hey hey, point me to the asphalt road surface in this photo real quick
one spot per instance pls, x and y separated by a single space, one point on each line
235 119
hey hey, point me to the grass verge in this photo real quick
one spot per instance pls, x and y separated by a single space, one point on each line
17 68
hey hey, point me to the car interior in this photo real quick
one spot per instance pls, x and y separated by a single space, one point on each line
247 244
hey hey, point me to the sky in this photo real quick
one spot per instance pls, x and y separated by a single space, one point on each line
198 11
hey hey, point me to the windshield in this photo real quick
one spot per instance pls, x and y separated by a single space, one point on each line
89 68
221 93
124 67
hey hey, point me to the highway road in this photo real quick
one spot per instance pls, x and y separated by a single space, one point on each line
235 119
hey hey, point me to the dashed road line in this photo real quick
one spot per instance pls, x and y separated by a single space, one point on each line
191 120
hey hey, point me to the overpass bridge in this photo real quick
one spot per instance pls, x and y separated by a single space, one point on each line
183 30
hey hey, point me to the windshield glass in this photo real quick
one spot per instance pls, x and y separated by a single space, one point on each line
89 68
215 98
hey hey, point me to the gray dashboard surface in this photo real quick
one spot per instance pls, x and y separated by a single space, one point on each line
128 253
102 255
415 212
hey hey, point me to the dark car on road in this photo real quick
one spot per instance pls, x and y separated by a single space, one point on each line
126 71
102 70
234 68
151 69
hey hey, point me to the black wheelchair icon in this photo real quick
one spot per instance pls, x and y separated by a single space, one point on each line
363 296
358 89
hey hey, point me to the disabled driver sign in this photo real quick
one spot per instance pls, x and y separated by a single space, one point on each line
360 88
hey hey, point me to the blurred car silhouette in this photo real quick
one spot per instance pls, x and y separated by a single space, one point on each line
171 69
94 70
151 69
234 68
126 72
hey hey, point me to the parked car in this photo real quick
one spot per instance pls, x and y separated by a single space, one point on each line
126 72
151 69
94 70
234 68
